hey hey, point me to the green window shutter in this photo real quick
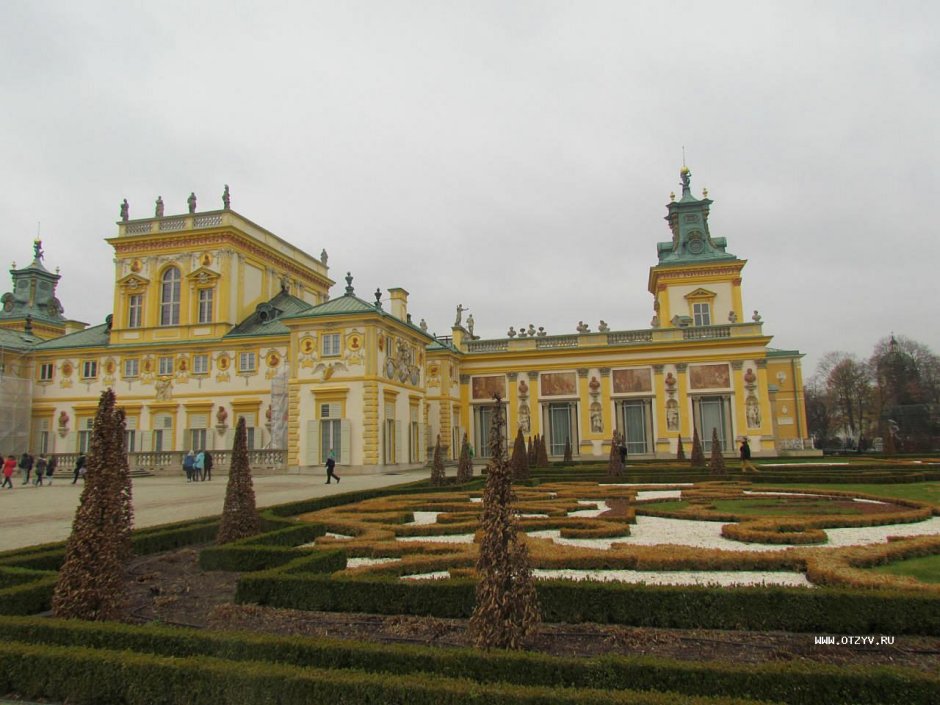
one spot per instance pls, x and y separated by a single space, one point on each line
345 435
313 443
146 441
399 444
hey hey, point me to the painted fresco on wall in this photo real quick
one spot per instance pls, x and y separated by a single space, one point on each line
554 384
710 377
632 381
486 387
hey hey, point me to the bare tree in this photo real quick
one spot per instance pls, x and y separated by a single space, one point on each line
507 608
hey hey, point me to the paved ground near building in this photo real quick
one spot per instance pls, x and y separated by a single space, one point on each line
32 515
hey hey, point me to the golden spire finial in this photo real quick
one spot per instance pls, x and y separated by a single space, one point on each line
672 196
705 192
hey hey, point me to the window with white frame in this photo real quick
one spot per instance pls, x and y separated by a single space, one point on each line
130 434
46 371
170 298
331 437
131 368
200 364
561 422
205 306
89 369
135 307
635 423
246 361
330 344
166 365
163 433
701 312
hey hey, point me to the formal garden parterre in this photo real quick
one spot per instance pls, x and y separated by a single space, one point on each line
361 552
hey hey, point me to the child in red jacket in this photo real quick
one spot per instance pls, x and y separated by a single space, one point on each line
9 465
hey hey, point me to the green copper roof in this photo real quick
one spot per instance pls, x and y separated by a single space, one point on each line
17 340
341 305
691 238
266 318
94 337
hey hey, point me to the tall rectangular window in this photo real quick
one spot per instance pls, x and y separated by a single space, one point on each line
166 364
89 369
46 370
636 425
562 427
331 344
713 413
85 427
702 314
205 306
170 298
482 428
131 368
135 310
197 439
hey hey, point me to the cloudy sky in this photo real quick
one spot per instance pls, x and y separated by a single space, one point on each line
515 157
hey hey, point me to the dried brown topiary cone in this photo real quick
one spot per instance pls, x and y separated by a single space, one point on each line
520 459
465 464
438 477
507 608
698 455
239 515
91 581
716 462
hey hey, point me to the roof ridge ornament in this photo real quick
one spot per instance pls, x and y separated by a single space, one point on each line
349 287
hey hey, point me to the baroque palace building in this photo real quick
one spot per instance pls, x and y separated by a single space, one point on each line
215 318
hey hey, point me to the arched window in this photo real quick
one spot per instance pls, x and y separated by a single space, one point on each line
170 298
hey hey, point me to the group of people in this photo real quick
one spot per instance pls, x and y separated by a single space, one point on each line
198 466
40 470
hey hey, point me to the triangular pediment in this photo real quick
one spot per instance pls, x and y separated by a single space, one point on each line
133 282
701 293
203 275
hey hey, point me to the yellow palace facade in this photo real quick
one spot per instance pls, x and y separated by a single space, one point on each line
215 318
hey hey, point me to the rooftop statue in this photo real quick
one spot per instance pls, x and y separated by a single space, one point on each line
511 333
323 256
226 198
158 210
470 325
191 201
583 327
125 210
460 310
602 326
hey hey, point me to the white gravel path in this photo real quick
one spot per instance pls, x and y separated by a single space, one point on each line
694 577
659 494
359 562
424 518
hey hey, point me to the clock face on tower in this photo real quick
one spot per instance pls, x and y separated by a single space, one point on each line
696 242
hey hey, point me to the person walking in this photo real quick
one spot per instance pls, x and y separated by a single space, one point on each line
746 464
189 465
330 465
79 467
207 466
50 469
199 466
26 465
41 465
9 467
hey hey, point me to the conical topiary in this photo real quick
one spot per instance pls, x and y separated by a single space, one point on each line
465 464
239 515
680 450
438 477
542 453
520 460
698 455
90 584
506 608
530 454
568 457
716 463
615 461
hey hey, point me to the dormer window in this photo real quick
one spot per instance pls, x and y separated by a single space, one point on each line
170 298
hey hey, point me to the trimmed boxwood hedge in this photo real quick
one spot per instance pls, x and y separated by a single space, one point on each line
104 676
790 682
671 606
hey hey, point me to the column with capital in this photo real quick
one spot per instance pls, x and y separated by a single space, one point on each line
685 405
662 441
739 400
768 446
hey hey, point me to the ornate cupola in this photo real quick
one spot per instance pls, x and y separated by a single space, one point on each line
696 281
691 238
33 299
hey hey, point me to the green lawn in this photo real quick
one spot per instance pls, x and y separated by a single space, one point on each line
921 491
925 569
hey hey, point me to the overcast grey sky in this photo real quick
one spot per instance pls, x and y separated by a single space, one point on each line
515 157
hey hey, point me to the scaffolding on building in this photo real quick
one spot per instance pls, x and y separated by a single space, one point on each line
279 411
16 394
